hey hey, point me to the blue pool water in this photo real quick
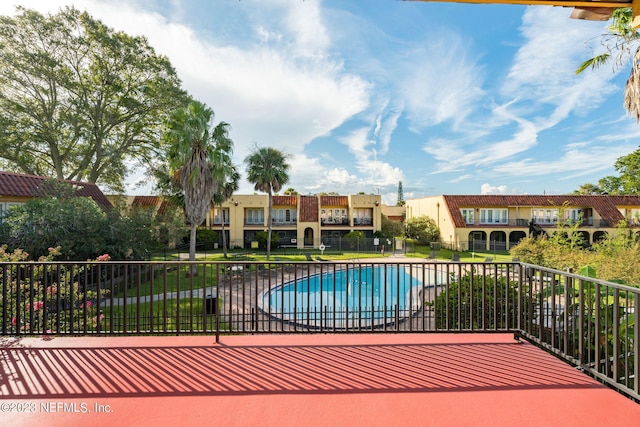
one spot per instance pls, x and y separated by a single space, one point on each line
358 296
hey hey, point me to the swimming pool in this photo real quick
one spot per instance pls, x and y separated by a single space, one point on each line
360 296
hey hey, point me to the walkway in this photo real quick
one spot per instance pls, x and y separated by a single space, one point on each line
299 380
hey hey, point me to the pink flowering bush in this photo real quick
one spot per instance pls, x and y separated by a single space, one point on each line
43 297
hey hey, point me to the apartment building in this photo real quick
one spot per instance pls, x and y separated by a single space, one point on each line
17 188
300 221
498 222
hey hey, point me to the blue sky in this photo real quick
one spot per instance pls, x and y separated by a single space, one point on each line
447 98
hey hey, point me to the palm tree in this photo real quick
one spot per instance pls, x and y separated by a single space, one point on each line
267 169
224 193
196 155
618 43
588 188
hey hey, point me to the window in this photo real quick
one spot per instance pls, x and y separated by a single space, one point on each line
220 215
494 216
573 215
334 216
4 208
467 214
634 216
254 216
284 216
545 216
363 217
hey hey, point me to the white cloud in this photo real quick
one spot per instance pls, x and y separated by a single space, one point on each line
487 188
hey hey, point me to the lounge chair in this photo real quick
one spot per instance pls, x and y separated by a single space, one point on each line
488 259
308 257
322 259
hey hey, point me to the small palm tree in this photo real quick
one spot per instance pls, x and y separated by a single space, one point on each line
196 157
267 169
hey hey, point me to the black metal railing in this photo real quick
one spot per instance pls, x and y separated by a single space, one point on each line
588 322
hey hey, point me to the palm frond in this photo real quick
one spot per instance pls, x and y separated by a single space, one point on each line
594 62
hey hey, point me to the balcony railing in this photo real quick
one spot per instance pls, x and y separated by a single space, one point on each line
589 323
334 221
524 223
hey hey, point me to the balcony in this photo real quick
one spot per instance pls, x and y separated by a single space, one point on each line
331 222
362 222
524 223
215 364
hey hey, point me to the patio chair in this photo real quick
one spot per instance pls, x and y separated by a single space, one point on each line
433 255
455 257
308 257
488 259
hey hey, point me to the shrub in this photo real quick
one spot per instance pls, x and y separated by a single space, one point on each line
206 238
261 237
423 229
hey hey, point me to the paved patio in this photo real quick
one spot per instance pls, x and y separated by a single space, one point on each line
299 380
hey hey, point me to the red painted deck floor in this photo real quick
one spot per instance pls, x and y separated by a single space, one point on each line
294 380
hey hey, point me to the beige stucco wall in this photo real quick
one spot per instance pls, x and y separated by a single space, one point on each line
238 203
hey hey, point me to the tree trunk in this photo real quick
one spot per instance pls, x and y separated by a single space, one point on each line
193 270
269 225
632 89
224 237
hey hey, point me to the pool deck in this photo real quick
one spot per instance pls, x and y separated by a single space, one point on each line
299 380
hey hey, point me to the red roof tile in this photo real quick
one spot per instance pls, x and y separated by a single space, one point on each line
308 209
285 200
30 186
146 201
605 205
334 201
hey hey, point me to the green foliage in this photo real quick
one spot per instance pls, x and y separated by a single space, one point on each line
390 229
79 226
617 41
206 238
400 201
475 301
261 237
199 157
80 99
588 189
614 258
352 238
47 298
627 182
422 229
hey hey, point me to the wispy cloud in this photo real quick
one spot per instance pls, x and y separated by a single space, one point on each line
360 105
440 81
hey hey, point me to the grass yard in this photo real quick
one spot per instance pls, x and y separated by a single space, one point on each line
164 316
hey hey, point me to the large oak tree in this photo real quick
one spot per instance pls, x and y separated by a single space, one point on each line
78 100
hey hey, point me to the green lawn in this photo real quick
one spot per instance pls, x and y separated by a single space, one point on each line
160 317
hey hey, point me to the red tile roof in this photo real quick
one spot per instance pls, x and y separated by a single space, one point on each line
334 201
285 200
146 201
31 186
605 205
308 209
